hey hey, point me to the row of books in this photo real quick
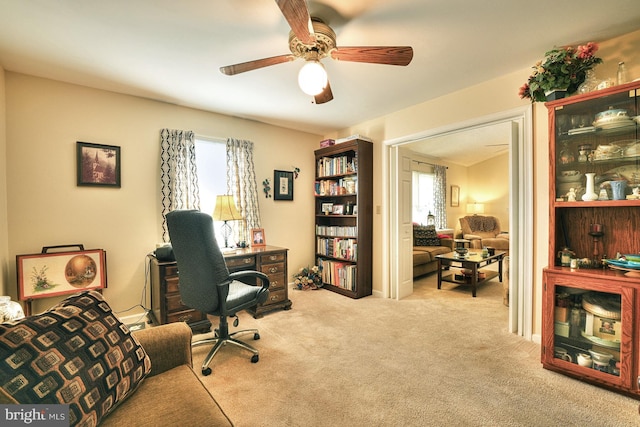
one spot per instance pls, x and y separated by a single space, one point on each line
338 274
342 165
337 248
336 230
328 187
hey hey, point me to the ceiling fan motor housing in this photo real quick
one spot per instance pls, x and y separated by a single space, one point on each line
325 42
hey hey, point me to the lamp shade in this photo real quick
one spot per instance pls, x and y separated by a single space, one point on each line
312 78
225 209
475 208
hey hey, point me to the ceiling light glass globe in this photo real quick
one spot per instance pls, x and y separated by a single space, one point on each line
312 78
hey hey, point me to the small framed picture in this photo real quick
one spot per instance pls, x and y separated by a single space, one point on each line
98 165
455 196
283 185
338 209
355 210
258 237
327 208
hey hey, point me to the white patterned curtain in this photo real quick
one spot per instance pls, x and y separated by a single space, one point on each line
241 183
440 195
179 177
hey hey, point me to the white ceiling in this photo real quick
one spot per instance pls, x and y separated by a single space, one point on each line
171 50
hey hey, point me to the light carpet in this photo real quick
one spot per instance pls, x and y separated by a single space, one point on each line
437 358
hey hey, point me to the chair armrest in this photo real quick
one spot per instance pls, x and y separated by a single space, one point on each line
472 237
251 273
167 345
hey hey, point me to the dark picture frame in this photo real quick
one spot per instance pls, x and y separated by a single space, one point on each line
258 238
455 196
46 275
98 165
282 185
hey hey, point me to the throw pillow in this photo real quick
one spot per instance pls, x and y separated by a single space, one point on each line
425 235
76 353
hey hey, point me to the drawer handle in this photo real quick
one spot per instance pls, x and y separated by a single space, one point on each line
274 283
273 270
247 260
185 318
273 257
275 298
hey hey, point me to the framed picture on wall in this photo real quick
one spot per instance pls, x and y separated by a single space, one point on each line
455 196
283 185
52 274
98 165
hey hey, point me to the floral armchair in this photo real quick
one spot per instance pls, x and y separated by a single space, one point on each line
484 231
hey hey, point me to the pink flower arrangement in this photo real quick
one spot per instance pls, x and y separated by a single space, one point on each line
562 68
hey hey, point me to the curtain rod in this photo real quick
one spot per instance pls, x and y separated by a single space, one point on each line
427 163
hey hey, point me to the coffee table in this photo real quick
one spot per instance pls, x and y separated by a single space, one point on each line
472 261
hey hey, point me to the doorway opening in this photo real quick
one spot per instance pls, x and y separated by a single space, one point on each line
398 247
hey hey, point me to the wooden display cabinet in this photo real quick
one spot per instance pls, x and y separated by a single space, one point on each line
344 217
592 309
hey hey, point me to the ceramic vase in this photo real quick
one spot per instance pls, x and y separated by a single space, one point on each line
617 189
590 194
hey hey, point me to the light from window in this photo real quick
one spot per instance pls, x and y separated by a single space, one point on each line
211 161
422 198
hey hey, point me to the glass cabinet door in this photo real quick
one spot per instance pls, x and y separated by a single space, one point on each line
598 137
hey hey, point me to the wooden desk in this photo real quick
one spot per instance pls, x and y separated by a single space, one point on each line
272 261
167 307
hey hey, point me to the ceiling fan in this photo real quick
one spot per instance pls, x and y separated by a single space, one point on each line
312 40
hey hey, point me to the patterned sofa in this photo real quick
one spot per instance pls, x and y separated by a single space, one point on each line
426 245
78 353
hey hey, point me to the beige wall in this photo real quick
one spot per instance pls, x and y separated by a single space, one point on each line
45 207
4 230
491 97
489 184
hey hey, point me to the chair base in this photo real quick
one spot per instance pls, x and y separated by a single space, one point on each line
220 341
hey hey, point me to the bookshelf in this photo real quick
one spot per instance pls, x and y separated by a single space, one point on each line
344 216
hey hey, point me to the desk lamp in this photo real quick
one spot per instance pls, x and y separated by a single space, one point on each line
226 210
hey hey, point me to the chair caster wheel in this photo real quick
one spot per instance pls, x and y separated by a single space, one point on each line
255 358
207 371
256 336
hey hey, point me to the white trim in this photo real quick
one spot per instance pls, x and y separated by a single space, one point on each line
523 204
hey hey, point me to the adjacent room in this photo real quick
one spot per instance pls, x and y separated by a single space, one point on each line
318 212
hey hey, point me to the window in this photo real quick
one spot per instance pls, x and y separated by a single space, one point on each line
211 161
422 198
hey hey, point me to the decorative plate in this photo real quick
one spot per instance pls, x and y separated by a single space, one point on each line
629 172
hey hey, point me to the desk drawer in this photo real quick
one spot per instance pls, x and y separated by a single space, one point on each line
271 258
172 284
174 303
276 281
245 263
272 269
276 296
185 316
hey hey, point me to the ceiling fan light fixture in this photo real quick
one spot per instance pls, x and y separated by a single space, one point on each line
312 78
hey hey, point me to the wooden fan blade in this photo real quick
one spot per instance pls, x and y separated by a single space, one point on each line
390 55
230 70
325 96
297 15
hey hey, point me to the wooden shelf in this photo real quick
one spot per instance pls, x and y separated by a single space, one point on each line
357 157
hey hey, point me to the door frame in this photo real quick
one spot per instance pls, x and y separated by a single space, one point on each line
521 211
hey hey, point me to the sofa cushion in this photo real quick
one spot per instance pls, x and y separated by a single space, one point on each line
425 235
76 353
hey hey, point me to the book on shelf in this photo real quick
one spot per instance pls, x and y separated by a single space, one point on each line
339 274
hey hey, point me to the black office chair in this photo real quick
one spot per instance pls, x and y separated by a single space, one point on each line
205 281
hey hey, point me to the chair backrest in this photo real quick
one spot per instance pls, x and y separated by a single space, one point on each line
480 225
201 266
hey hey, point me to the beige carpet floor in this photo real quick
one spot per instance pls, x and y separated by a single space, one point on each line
437 358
